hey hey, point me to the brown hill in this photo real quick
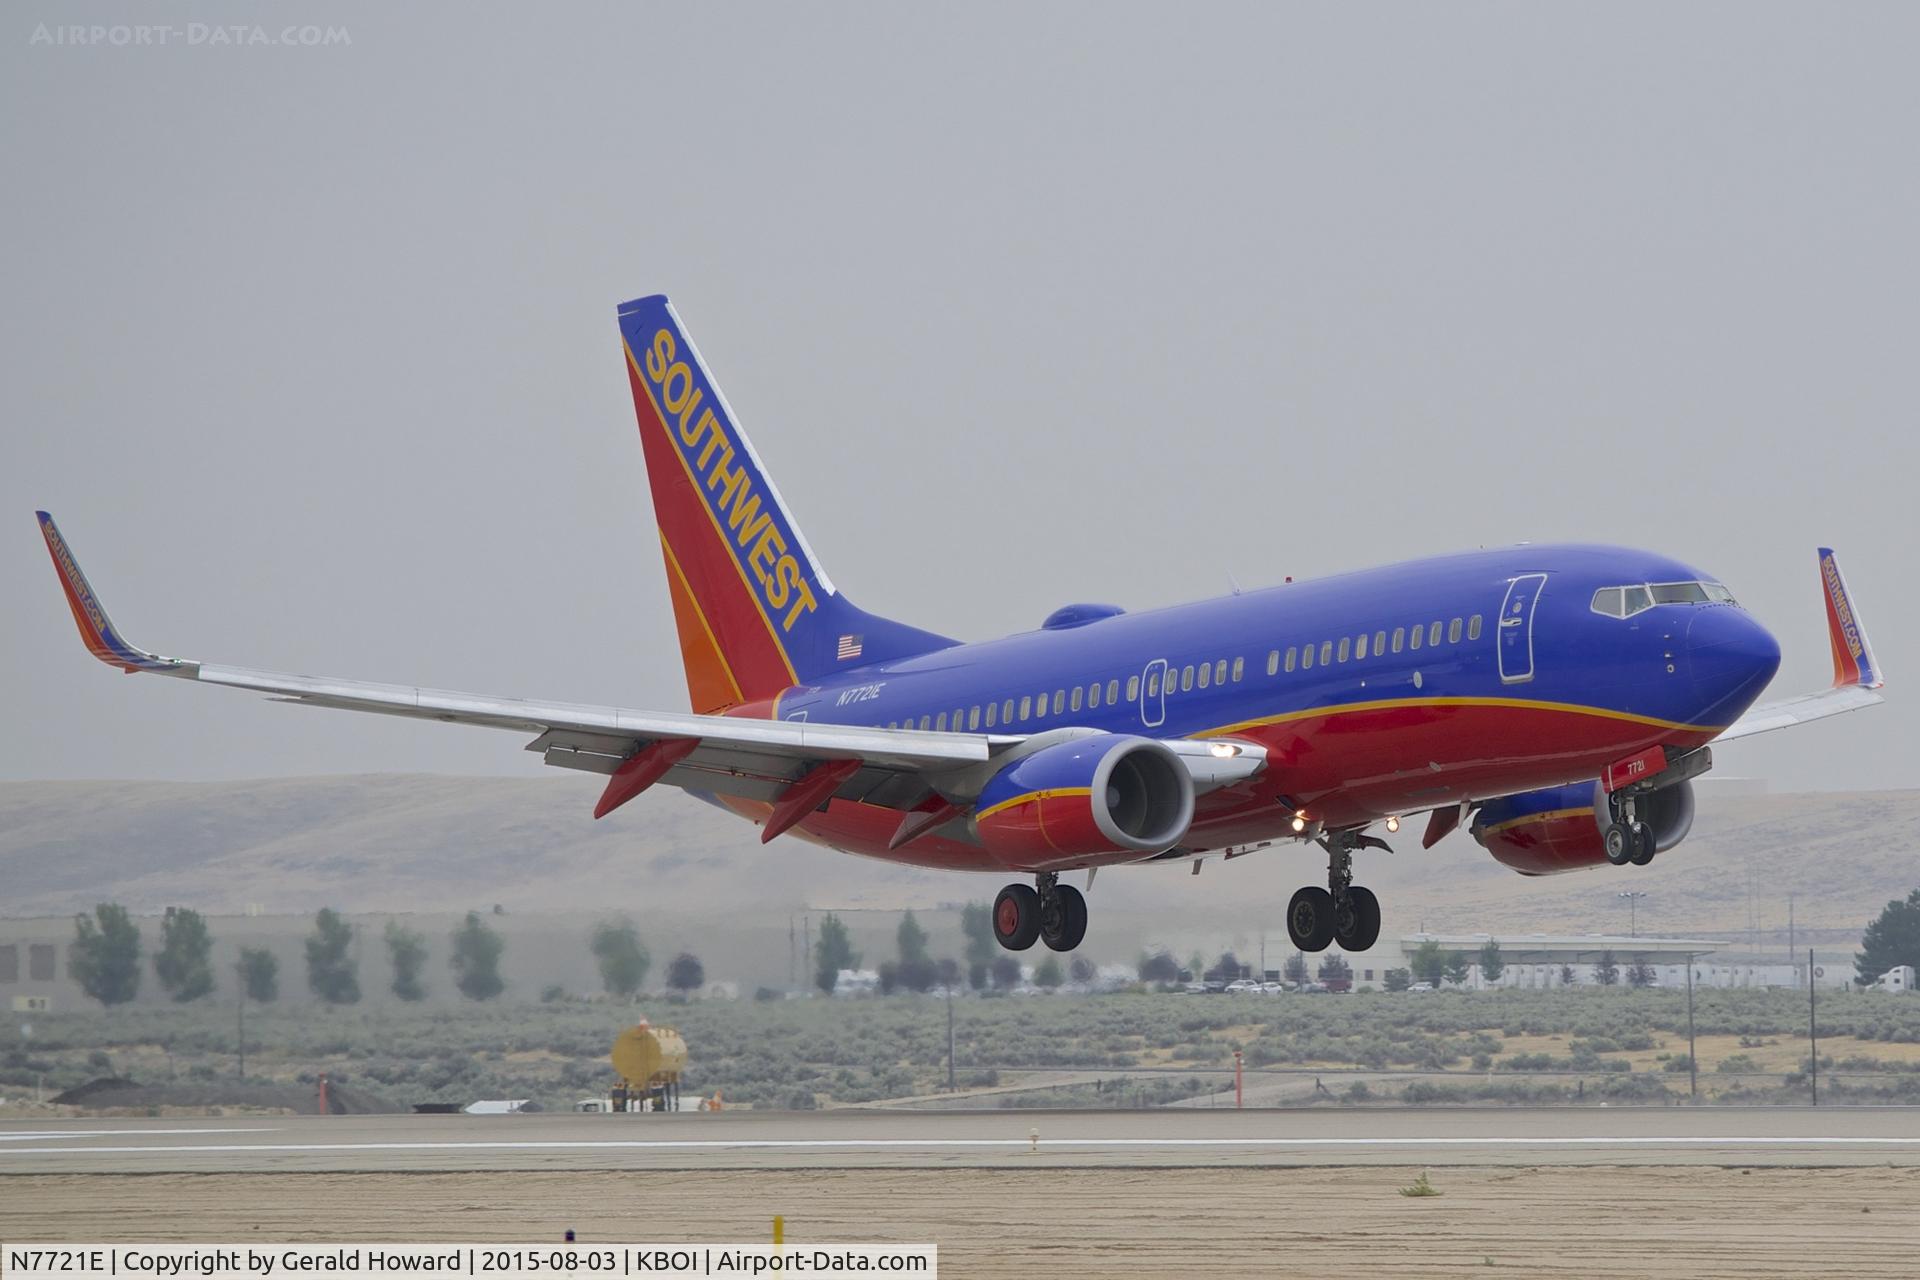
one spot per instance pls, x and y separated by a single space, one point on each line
383 843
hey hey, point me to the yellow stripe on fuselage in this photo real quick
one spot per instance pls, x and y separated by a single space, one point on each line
1528 704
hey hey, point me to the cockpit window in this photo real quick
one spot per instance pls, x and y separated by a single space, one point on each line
1624 602
1679 592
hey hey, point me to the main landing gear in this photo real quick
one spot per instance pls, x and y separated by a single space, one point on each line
1050 912
1626 838
1343 912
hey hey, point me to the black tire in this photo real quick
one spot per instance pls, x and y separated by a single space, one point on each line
1356 926
1016 917
1617 842
1065 927
1643 849
1310 919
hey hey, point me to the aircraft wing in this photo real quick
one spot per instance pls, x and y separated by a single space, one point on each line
794 765
1857 678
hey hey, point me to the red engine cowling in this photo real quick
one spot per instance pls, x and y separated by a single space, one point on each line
1106 793
1540 833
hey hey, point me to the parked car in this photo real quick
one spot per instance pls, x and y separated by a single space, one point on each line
1421 986
1272 988
1242 987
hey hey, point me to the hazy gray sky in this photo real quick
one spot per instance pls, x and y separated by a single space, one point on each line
312 350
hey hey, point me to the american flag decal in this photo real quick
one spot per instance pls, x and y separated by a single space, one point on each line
849 647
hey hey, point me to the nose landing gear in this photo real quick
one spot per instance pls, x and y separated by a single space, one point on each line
1343 912
1626 838
1050 912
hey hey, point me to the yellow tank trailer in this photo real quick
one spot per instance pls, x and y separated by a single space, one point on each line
648 1061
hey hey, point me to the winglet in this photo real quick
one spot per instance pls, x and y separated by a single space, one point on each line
97 631
1853 661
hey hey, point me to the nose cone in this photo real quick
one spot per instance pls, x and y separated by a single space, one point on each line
1732 658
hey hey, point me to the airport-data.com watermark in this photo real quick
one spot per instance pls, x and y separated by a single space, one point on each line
189 35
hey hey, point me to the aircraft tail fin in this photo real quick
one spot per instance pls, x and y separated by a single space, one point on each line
1853 660
755 610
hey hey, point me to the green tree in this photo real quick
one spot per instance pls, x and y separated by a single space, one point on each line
834 953
476 959
1006 972
889 975
686 974
106 954
912 940
407 952
976 922
622 959
1048 974
1456 967
1082 970
1568 978
1158 967
1891 938
259 971
332 973
1492 964
1640 974
1398 979
1335 967
1607 971
1428 962
184 963
1295 969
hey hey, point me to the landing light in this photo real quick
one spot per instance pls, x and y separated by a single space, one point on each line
1300 821
1393 823
1225 750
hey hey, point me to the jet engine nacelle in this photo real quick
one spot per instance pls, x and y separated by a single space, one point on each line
1539 833
1101 794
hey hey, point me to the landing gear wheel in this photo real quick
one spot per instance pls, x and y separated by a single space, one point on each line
1643 849
1310 918
1063 921
1618 842
1356 922
1016 917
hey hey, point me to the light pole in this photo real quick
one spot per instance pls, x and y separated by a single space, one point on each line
1633 897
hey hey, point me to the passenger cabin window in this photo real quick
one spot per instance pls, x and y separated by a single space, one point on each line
924 721
1399 636
1133 688
1273 663
1093 694
1220 671
1059 701
1113 691
1360 648
1473 627
991 718
1414 641
1346 648
1006 712
1026 705
1453 632
973 719
1289 657
1073 702
1306 657
1206 675
1433 635
1326 652
1186 678
1239 669
1379 643
941 723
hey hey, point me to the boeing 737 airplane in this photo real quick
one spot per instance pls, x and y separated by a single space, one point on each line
1558 699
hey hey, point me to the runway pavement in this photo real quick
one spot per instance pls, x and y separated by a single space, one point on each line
1770 1136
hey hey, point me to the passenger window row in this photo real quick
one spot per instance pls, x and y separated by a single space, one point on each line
1377 644
1185 679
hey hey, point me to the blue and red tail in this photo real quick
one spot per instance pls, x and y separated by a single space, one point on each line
1853 661
755 611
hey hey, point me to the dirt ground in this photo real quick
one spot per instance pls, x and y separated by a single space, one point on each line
1700 1222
